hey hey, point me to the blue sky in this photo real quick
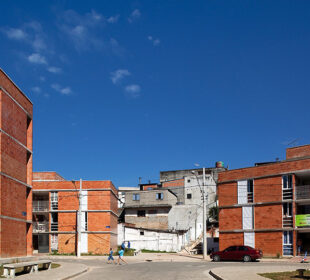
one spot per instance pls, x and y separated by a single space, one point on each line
123 89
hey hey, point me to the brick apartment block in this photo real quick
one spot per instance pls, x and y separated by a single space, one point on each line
15 170
259 205
55 206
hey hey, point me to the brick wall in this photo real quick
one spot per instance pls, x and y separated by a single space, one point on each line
264 170
297 152
230 219
268 216
230 239
15 161
269 242
99 197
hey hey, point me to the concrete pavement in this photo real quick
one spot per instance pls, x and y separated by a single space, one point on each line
251 272
65 271
158 266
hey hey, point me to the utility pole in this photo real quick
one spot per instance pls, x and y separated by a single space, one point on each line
79 221
204 213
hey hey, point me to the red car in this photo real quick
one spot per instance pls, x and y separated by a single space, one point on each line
240 253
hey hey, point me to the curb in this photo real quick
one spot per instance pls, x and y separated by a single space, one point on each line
215 276
76 274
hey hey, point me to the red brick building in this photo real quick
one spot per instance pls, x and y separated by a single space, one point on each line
15 170
267 206
55 207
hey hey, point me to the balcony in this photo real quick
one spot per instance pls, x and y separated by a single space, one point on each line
39 227
302 192
287 221
40 206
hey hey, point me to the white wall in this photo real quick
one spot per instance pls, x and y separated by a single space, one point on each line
151 240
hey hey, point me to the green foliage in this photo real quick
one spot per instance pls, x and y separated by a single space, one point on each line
214 213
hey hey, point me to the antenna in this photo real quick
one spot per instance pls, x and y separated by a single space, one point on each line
293 142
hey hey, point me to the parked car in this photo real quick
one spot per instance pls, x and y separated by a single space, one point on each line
240 253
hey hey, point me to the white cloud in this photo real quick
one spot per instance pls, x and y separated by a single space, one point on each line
82 30
118 75
134 15
42 78
54 70
155 42
133 91
36 89
37 58
113 19
62 90
15 33
30 33
66 90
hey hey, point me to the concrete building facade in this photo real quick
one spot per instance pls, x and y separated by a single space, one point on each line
15 170
121 194
267 206
55 206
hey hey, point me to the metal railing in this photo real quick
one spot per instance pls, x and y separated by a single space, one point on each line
287 194
250 197
40 205
302 192
287 221
54 205
54 226
40 227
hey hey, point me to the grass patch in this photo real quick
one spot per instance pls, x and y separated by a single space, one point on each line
288 275
56 253
153 251
128 252
20 270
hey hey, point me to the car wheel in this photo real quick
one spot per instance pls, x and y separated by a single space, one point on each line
247 258
216 258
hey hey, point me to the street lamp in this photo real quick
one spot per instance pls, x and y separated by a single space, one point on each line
204 212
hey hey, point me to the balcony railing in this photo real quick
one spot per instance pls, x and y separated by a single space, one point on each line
287 221
40 206
287 194
40 227
250 197
54 205
302 192
54 226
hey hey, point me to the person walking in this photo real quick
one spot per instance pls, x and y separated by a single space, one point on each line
110 258
128 244
121 256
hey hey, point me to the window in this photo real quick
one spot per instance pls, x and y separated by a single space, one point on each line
141 232
250 188
231 248
136 196
149 188
159 196
188 180
243 248
287 209
141 213
287 243
85 219
189 196
54 200
152 212
287 181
